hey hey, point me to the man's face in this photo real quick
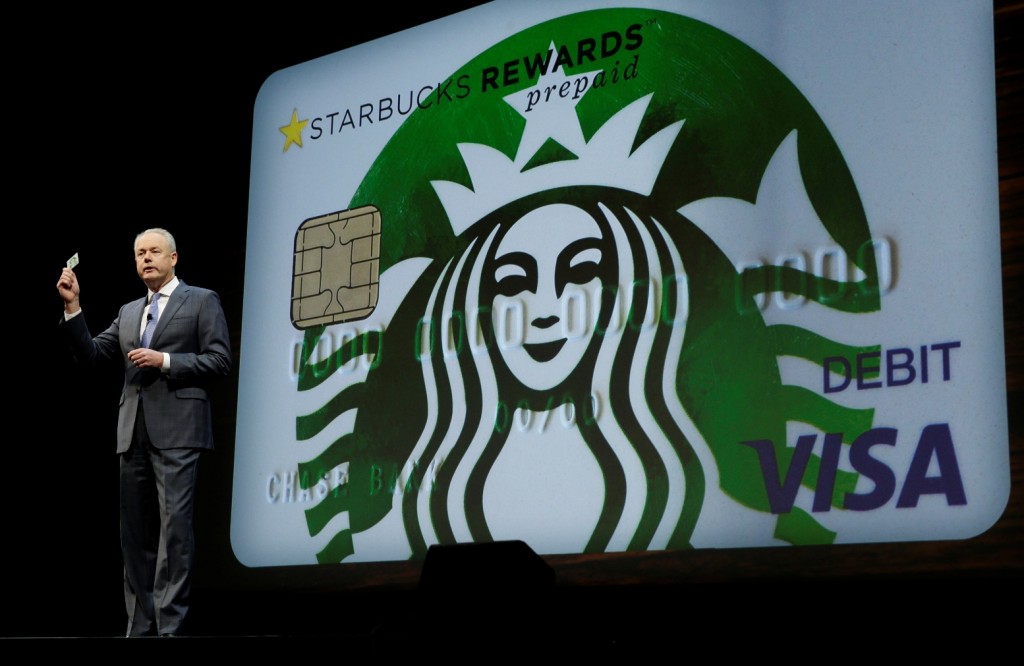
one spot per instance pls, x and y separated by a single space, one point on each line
154 260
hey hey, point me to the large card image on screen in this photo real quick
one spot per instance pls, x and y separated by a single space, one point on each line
549 286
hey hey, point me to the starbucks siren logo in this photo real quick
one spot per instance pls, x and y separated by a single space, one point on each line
575 360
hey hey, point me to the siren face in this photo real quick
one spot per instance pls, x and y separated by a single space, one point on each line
546 271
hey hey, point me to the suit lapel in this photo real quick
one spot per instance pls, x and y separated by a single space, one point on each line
177 299
134 318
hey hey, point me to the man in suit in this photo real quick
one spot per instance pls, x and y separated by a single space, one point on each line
172 343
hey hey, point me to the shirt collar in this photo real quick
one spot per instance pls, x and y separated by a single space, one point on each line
165 290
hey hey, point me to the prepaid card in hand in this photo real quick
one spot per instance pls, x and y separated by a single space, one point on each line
691 274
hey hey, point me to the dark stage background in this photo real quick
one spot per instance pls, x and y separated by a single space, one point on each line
122 129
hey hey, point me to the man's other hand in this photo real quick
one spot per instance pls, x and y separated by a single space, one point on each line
146 358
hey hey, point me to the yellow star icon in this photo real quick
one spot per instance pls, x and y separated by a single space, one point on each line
293 131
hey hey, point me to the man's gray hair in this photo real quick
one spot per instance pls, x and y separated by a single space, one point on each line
163 232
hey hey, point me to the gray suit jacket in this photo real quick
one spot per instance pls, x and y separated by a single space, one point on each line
194 331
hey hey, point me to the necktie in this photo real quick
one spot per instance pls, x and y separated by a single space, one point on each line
154 314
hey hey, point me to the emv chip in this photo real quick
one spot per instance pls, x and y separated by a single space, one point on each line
336 268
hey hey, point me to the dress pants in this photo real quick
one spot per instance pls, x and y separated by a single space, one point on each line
157 540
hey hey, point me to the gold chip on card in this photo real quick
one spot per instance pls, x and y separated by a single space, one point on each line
336 267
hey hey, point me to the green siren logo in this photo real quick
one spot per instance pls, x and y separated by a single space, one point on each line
573 357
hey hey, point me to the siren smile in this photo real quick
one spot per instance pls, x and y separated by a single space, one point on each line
542 352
